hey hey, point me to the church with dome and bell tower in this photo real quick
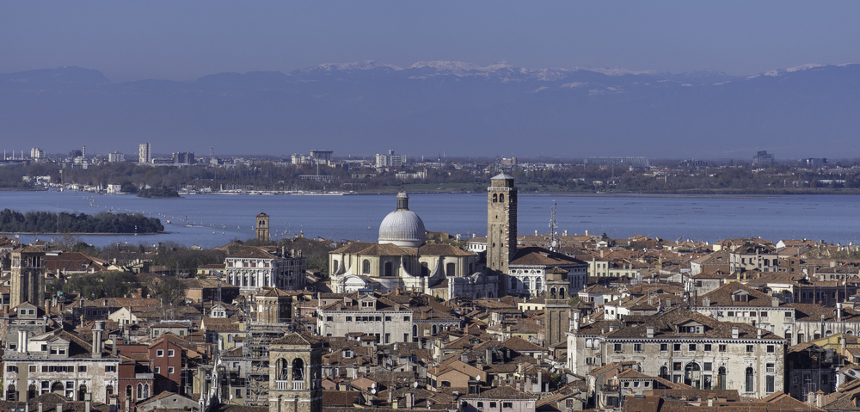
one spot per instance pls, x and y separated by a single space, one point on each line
403 259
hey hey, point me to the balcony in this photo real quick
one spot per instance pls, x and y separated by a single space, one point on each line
290 385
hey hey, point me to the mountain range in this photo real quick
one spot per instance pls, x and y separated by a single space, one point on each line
431 108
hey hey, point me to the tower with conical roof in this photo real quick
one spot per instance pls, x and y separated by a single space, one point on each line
501 222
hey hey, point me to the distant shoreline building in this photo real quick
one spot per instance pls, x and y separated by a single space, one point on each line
390 160
144 153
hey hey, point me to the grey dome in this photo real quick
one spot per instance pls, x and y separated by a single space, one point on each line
402 227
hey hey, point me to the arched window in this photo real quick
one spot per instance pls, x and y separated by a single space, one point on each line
12 393
433 330
513 283
414 330
139 391
450 269
501 197
721 378
283 369
664 372
58 388
750 380
82 390
561 293
389 271
32 392
145 391
692 375
108 391
128 394
552 292
495 198
425 270
365 267
298 369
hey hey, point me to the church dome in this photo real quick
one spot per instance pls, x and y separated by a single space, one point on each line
402 227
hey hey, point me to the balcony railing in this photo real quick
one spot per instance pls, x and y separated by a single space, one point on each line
290 385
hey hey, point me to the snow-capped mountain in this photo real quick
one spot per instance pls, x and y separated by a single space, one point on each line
429 107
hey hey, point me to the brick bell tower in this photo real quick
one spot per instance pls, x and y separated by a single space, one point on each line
263 227
501 222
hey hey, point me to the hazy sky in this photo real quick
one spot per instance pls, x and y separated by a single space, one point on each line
187 39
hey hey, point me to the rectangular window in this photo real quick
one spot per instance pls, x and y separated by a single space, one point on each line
170 370
388 318
507 405
676 366
32 368
664 347
82 368
708 366
349 318
771 348
170 353
749 348
769 384
158 369
722 348
329 319
11 368
731 314
637 347
764 314
769 368
617 348
787 314
406 318
492 404
676 347
110 368
692 347
159 353
707 347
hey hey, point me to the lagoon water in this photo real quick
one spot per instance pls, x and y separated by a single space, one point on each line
217 219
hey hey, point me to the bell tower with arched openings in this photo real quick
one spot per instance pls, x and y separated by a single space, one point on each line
295 374
262 227
501 222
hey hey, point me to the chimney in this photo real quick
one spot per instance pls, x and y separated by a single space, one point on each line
540 380
48 307
59 407
88 405
650 332
838 311
758 334
464 358
489 356
97 338
410 400
706 302
774 302
113 338
575 326
40 407
735 332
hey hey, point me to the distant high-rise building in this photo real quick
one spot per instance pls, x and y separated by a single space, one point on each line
144 153
183 158
116 157
36 153
324 155
390 160
762 158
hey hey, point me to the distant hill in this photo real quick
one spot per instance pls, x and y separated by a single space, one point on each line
435 107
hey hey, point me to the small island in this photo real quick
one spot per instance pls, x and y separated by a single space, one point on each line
158 193
104 222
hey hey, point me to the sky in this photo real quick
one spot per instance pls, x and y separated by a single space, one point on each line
188 39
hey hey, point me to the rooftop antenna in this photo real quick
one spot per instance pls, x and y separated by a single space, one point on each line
553 228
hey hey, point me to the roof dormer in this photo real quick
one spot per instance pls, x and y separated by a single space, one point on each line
690 327
740 296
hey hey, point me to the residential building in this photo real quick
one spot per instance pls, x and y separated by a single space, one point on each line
144 153
255 267
390 160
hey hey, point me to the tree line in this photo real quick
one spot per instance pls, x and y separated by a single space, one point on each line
104 222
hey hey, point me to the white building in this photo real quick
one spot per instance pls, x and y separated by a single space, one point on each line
255 267
390 160
116 157
144 153
687 347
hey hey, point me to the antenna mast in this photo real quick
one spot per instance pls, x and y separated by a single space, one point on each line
553 228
